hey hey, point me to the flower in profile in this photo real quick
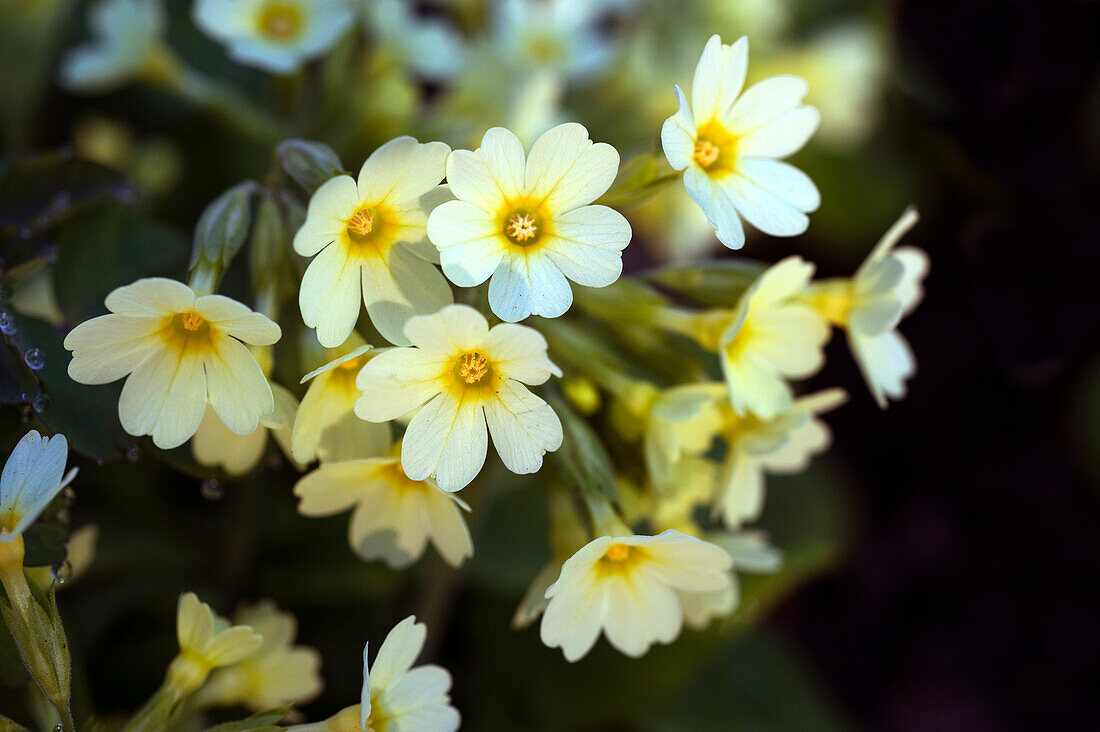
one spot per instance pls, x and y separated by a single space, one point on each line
754 446
394 516
529 224
395 695
180 351
325 426
33 474
729 146
214 445
206 642
277 674
367 241
461 375
274 35
631 588
128 36
869 306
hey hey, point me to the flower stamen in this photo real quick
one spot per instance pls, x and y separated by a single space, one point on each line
706 153
522 227
361 223
192 321
473 367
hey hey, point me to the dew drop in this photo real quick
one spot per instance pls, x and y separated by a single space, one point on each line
133 453
7 324
211 489
35 358
61 571
40 403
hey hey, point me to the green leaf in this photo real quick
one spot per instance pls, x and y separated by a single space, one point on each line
582 459
259 722
716 283
45 542
639 178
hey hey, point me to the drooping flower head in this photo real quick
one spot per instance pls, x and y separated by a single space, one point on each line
33 474
275 35
180 352
394 517
367 241
631 588
528 224
461 374
730 146
206 642
127 34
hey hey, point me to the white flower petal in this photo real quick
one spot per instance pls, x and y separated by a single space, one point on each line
400 287
330 294
396 382
165 397
397 654
784 134
566 169
238 320
454 329
446 440
678 134
330 207
151 297
587 245
523 427
490 175
510 290
520 353
763 209
108 347
716 201
763 102
237 387
469 243
718 79
401 171
782 180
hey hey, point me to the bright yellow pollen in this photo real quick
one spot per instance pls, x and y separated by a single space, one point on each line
472 367
706 153
617 552
351 364
361 223
522 227
192 321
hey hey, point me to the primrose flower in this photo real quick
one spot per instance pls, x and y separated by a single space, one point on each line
33 474
528 224
749 551
214 445
206 642
461 375
277 674
274 35
325 426
783 444
631 588
127 45
885 288
729 146
430 47
561 37
394 516
395 695
367 242
180 352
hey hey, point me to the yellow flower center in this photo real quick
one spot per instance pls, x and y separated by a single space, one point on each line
619 559
351 364
617 552
522 227
361 223
473 367
370 231
715 149
191 321
281 21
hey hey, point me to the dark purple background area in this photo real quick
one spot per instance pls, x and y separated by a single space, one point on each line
970 600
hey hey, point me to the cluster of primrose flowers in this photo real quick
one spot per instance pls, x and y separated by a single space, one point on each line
545 341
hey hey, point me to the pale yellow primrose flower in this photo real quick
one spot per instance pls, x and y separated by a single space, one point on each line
462 375
729 146
783 444
180 352
396 696
277 674
394 516
325 426
127 36
214 445
528 223
206 642
367 240
33 474
274 35
869 306
749 551
631 588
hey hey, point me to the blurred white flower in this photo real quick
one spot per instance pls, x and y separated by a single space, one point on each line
274 35
528 223
461 375
429 46
367 241
729 146
128 34
179 353
206 642
557 36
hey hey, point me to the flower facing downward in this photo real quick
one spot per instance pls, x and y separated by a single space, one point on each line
127 34
275 35
461 375
631 588
394 516
277 674
216 446
206 643
180 352
885 288
33 475
528 223
395 695
729 146
367 241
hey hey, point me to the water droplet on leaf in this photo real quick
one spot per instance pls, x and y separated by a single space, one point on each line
61 571
133 453
40 403
212 489
34 358
7 324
